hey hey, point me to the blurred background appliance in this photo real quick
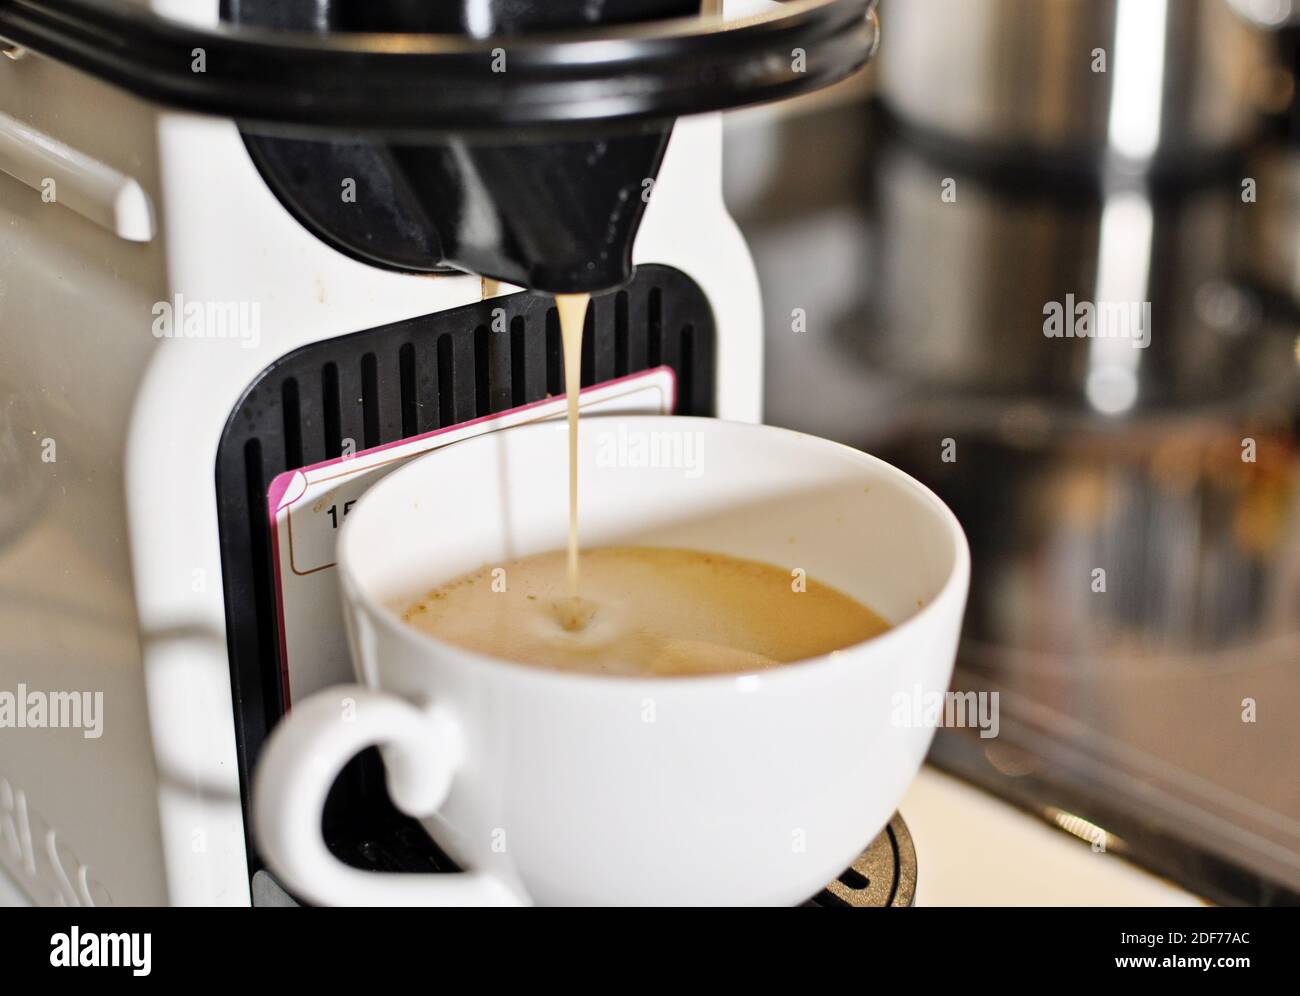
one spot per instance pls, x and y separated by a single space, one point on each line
909 235
1080 83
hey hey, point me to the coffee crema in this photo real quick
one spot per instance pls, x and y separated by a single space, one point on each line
644 612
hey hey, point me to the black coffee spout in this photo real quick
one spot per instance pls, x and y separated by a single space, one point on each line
556 212
558 216
555 215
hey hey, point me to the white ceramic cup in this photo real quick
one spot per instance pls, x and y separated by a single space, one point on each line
560 788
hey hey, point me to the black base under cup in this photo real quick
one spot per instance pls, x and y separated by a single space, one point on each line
883 875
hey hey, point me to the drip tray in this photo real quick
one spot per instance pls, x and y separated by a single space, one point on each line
883 875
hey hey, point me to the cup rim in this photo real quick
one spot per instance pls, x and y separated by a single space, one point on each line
954 587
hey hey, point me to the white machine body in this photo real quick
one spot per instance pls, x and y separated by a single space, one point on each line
112 211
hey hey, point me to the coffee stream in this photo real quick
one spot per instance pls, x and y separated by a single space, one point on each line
573 316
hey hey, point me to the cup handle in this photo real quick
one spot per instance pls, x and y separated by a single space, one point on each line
422 750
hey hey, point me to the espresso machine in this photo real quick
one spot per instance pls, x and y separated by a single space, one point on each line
253 255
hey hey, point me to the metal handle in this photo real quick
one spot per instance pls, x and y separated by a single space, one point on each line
399 84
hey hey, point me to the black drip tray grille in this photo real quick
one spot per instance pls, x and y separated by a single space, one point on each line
385 384
883 875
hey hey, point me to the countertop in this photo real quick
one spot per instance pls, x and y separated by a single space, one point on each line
975 850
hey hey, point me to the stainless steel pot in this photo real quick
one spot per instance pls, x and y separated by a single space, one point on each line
1139 82
960 290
